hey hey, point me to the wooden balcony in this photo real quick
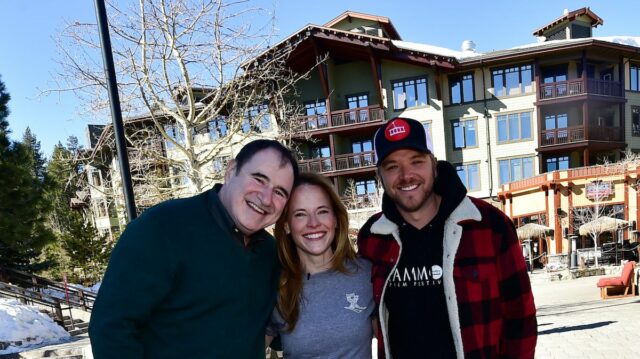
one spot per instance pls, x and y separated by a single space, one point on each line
591 171
342 162
561 136
562 89
340 118
528 182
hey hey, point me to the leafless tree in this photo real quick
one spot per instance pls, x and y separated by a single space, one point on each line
198 77
361 206
601 216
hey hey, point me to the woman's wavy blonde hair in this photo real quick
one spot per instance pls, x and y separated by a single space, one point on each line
291 279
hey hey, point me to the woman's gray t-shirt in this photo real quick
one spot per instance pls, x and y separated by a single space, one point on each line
335 316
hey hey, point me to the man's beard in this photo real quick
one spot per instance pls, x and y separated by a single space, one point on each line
415 204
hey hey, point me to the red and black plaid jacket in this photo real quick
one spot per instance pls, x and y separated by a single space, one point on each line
487 288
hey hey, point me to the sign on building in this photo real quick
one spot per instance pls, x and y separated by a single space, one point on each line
598 190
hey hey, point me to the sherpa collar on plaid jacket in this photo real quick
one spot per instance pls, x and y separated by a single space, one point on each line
489 299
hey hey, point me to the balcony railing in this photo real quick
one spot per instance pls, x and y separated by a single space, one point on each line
355 160
342 118
560 136
528 182
318 165
314 122
343 162
578 87
591 171
357 115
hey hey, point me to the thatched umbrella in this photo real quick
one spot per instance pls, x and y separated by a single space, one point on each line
602 224
533 230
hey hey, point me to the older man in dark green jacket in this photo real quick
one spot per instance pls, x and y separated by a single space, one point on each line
197 277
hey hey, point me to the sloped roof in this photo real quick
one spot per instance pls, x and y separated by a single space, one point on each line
595 19
382 20
629 44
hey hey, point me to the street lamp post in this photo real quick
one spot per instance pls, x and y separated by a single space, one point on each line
116 112
574 253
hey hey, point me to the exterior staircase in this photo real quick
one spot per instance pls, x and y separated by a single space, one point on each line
72 311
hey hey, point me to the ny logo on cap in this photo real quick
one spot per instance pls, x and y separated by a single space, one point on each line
396 130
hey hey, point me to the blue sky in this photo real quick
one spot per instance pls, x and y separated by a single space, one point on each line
28 54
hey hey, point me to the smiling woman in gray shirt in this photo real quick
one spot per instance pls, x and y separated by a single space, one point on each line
325 301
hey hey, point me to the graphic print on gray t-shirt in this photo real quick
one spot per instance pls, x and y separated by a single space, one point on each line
335 316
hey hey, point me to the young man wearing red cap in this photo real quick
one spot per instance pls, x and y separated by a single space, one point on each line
448 274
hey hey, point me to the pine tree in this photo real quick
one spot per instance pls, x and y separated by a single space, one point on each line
79 246
36 159
23 232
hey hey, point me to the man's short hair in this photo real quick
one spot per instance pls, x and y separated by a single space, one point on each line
250 149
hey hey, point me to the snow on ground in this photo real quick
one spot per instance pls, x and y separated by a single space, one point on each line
23 326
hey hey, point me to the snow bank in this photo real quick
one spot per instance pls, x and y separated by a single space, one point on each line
23 326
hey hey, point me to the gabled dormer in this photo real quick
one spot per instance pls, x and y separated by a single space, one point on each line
379 26
571 25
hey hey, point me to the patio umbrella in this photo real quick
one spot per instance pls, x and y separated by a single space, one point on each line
533 230
602 224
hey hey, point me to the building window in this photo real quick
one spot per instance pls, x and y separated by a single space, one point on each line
461 88
427 128
175 132
365 191
316 114
634 77
357 101
556 73
256 118
556 127
219 164
469 175
365 187
322 152
514 169
514 127
557 163
464 133
217 128
512 80
101 210
538 218
409 93
96 178
366 148
178 176
635 121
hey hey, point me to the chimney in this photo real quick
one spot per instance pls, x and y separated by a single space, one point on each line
468 46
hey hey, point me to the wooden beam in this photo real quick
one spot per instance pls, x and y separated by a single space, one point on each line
376 74
438 80
324 78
